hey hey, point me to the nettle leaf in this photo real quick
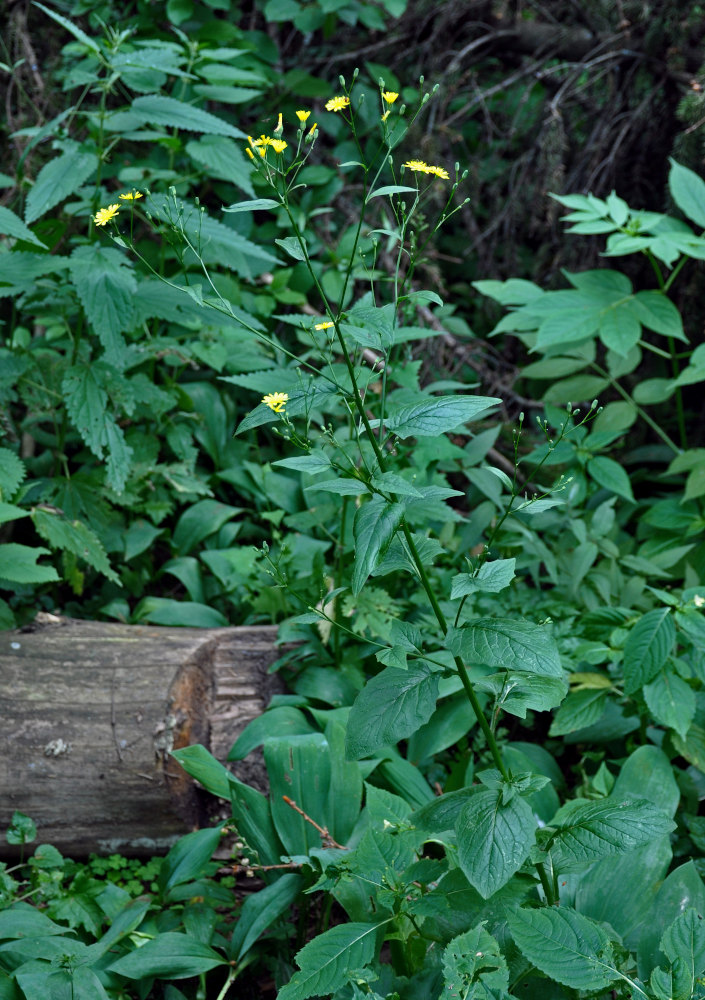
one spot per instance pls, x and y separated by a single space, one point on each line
565 945
647 648
491 578
517 692
494 839
75 537
12 473
508 644
436 415
86 402
391 706
671 701
588 831
474 957
58 179
683 944
375 525
106 287
325 962
224 159
160 110
12 225
18 564
169 955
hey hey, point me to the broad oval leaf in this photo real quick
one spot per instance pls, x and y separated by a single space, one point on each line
610 475
374 528
688 190
565 945
436 415
509 644
325 961
647 648
168 956
494 839
392 706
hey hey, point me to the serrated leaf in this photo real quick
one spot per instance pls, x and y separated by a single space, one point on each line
494 839
565 945
169 955
589 831
509 644
106 287
580 709
160 110
688 190
86 403
12 473
324 963
342 486
72 28
647 648
18 564
671 701
436 415
76 537
12 225
58 179
474 959
491 578
375 525
683 944
391 706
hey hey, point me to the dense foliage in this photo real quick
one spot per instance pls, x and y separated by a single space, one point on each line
485 776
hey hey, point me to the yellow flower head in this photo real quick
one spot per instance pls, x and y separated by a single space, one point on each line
130 196
280 125
389 96
417 165
263 140
312 131
278 145
337 103
385 115
302 115
104 215
438 172
276 401
324 326
250 153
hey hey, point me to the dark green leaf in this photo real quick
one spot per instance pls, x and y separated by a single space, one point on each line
490 578
57 179
165 611
608 473
261 909
494 839
160 110
375 525
18 564
188 857
588 831
12 225
325 961
688 190
168 956
298 768
580 709
647 648
509 644
671 701
390 707
75 537
436 415
106 287
473 960
285 720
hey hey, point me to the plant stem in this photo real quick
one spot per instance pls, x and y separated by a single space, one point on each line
227 984
546 884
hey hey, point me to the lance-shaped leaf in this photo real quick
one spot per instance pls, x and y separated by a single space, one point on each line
494 839
375 525
170 956
324 963
436 415
392 706
647 648
261 909
588 831
565 945
57 179
106 287
507 643
160 110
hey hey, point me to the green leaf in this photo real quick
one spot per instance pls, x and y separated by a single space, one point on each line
12 225
10 512
222 158
187 858
688 190
391 189
565 945
57 179
671 701
346 784
253 205
261 909
160 110
168 956
647 648
202 765
200 520
609 474
494 839
292 246
681 890
325 962
73 29
375 525
580 709
491 578
683 944
343 487
299 768
391 707
24 921
18 564
165 611
436 415
471 959
284 720
12 473
106 287
509 644
655 310
589 831
75 537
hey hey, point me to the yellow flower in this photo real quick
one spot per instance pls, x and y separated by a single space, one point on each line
280 125
312 130
324 326
302 115
104 215
438 172
263 140
276 401
417 165
389 96
278 145
337 103
250 154
385 115
130 196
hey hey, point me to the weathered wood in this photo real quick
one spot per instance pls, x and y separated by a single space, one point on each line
90 711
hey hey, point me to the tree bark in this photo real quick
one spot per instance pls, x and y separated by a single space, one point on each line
90 711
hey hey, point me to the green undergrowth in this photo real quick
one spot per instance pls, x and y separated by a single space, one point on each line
223 404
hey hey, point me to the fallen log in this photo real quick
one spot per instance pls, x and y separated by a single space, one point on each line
90 711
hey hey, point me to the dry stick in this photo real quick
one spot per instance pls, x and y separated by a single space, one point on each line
325 835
